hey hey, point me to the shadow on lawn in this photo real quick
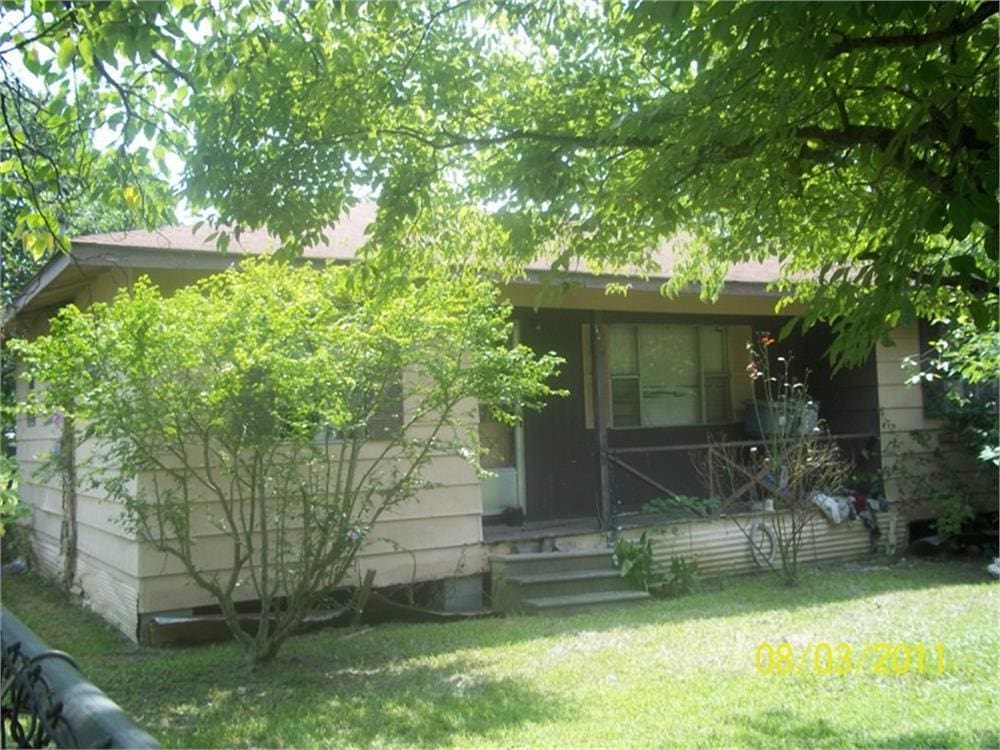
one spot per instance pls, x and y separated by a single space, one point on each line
297 704
409 685
746 595
784 728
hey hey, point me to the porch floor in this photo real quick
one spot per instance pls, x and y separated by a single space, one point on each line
532 530
537 530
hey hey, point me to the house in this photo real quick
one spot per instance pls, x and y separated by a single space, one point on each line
631 429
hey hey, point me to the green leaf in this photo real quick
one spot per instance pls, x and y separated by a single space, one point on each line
86 50
964 265
983 316
788 329
961 212
67 48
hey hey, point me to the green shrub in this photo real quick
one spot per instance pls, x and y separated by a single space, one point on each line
277 391
15 539
683 577
634 559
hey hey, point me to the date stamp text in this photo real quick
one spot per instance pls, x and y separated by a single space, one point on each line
875 659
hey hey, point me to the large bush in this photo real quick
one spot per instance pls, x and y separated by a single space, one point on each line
282 408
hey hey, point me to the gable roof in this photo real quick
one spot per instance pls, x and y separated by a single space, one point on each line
184 247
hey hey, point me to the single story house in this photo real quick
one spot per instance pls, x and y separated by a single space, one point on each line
650 379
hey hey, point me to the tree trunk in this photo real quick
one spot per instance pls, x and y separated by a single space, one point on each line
68 531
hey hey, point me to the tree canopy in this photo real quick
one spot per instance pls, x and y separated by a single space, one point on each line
857 142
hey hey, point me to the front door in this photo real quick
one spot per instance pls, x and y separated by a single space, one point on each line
561 464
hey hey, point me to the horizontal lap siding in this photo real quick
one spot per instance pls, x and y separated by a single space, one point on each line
213 553
176 591
902 407
918 457
436 534
107 558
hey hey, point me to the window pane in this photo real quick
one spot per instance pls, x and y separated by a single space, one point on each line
621 353
668 368
713 350
388 419
625 402
717 407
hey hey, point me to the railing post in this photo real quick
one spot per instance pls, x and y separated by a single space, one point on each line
601 418
47 700
711 471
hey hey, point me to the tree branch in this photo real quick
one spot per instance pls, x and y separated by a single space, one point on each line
174 69
41 34
914 39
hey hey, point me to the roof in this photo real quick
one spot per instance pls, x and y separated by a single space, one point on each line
341 240
190 248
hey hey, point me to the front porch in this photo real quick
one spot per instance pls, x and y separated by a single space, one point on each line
625 434
567 566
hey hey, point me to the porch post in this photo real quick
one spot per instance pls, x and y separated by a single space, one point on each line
600 354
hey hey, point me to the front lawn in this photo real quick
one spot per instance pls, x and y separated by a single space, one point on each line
671 673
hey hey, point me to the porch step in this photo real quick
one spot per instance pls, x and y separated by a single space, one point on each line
564 584
577 603
576 560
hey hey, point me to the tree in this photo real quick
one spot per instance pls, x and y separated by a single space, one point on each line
856 142
788 474
281 407
86 99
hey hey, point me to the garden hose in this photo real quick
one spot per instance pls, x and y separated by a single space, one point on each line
762 551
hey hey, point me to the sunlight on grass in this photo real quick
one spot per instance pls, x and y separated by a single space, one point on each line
678 672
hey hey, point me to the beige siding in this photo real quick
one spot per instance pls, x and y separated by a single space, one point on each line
437 534
919 458
166 592
107 559
104 287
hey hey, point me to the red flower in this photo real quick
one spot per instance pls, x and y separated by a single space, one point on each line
764 338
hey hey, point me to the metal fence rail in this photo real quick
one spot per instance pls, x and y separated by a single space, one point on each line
46 700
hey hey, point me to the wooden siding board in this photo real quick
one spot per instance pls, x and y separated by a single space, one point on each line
112 550
175 591
108 592
213 552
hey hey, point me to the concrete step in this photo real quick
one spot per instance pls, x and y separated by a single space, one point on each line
578 603
532 563
564 584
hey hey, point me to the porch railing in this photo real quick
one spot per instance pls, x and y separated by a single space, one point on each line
47 702
618 458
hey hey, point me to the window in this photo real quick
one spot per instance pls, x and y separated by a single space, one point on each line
384 423
664 375
387 421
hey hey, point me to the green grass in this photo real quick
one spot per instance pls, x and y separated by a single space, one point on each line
671 673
